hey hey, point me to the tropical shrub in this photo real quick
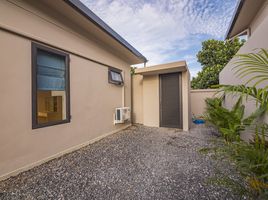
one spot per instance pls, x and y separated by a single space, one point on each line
252 160
259 95
252 157
228 122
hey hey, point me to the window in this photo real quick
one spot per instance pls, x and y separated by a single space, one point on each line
50 87
115 76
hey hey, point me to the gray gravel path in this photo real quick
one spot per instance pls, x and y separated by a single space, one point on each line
137 163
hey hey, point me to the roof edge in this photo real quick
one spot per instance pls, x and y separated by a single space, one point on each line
92 17
179 63
171 67
238 8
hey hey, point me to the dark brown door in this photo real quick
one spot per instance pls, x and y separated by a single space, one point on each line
170 100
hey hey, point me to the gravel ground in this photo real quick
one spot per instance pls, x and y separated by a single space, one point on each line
137 163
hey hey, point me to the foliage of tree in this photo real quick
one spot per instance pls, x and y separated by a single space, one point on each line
215 54
132 70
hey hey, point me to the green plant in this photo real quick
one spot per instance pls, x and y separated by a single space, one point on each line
229 122
254 66
214 112
132 70
215 54
252 160
234 185
259 95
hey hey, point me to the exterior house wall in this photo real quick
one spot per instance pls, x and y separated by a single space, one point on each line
92 98
198 97
257 40
43 26
137 99
186 109
259 18
151 100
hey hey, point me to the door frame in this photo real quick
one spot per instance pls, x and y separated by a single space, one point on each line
180 99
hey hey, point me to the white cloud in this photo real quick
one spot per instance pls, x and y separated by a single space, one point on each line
190 58
194 71
160 29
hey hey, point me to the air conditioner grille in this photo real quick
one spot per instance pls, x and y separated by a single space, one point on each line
122 115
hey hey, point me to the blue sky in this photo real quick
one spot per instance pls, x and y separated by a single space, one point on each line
166 30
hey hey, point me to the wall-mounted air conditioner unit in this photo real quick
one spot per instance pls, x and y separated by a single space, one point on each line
122 115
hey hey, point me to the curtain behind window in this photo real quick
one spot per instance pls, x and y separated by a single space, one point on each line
50 71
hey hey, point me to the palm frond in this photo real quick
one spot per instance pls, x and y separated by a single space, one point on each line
254 66
259 95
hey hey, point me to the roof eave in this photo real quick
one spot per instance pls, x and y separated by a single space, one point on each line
86 12
178 66
238 8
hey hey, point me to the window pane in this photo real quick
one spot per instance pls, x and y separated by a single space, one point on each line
51 106
51 94
116 76
50 71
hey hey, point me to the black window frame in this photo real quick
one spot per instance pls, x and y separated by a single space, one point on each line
35 48
115 70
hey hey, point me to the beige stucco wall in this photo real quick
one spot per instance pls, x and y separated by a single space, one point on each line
198 98
186 100
93 99
137 99
259 18
258 39
42 23
145 96
151 100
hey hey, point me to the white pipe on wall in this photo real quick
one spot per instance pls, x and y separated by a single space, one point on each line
123 89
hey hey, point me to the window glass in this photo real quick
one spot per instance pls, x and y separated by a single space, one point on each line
51 106
115 77
50 71
51 93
